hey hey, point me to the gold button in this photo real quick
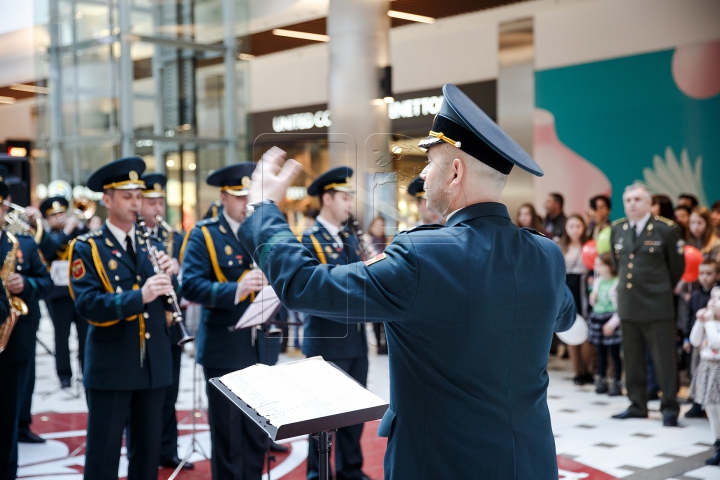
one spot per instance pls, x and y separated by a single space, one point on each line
139 278
629 276
630 265
146 315
117 278
631 256
629 285
147 336
652 249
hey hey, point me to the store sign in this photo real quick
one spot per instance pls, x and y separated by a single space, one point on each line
301 121
415 107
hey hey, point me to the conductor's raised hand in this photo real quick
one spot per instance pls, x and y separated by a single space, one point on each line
272 176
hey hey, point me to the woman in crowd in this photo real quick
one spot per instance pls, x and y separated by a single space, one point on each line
702 235
663 206
571 245
682 218
527 217
600 206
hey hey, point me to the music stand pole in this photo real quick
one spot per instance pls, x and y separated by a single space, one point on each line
324 446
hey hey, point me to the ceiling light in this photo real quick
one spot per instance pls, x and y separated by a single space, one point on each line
388 99
410 16
170 163
302 35
246 56
7 100
192 166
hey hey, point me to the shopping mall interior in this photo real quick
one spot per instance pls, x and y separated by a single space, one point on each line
601 93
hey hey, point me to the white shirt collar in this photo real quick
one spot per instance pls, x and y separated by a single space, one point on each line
639 226
234 226
332 229
120 234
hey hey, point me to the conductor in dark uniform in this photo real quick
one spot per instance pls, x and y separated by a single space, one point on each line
128 363
454 299
427 216
217 272
153 205
63 229
648 256
25 276
344 344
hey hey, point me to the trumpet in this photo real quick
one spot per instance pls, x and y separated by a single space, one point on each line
83 208
172 297
17 221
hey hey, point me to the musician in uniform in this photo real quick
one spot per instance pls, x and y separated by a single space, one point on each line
63 229
427 216
153 206
454 299
25 276
128 362
218 273
332 243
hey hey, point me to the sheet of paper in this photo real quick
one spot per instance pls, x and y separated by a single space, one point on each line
299 391
59 273
261 310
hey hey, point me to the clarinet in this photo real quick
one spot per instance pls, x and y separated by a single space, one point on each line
172 297
354 227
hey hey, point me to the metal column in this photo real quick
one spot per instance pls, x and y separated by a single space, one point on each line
229 42
126 81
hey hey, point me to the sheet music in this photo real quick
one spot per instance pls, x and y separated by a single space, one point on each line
299 391
261 310
59 273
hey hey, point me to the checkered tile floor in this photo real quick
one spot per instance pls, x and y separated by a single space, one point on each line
587 439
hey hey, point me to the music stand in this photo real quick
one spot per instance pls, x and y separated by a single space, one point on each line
367 406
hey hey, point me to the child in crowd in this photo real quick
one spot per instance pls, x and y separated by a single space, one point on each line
603 325
705 385
707 279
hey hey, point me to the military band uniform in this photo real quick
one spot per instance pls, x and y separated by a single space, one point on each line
344 344
648 267
128 363
59 303
17 361
213 262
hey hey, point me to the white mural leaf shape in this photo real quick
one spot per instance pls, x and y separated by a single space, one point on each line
671 177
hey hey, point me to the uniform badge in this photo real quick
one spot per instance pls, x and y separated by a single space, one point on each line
328 249
625 227
375 259
222 229
141 241
78 269
327 237
680 247
112 264
108 242
228 250
650 227
133 176
239 258
116 253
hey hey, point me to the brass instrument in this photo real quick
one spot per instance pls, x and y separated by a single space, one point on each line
83 208
16 221
172 297
17 305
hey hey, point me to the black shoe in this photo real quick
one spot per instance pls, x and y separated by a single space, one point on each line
615 389
65 383
276 447
601 386
382 351
628 414
715 459
653 396
174 462
588 378
362 476
26 436
578 380
696 411
670 421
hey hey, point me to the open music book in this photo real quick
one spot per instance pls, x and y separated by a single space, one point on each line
262 310
297 398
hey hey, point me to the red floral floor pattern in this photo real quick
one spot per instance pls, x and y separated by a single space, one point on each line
61 458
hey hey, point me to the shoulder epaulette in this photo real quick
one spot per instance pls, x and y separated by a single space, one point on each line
84 237
206 222
430 226
533 231
664 220
618 221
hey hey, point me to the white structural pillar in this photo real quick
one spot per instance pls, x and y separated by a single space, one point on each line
358 48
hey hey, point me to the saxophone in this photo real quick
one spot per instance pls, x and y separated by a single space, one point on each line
17 305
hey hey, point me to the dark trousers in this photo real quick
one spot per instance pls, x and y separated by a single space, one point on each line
169 428
26 400
614 352
14 376
660 339
238 444
652 382
346 441
109 412
63 314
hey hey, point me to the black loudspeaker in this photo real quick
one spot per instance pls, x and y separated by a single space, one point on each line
18 178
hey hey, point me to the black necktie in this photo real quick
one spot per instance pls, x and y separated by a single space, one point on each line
130 250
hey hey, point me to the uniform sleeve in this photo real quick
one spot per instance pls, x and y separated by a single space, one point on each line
36 277
4 304
382 291
568 312
675 257
49 247
197 276
92 300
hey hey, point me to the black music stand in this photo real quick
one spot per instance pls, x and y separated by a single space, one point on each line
319 427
